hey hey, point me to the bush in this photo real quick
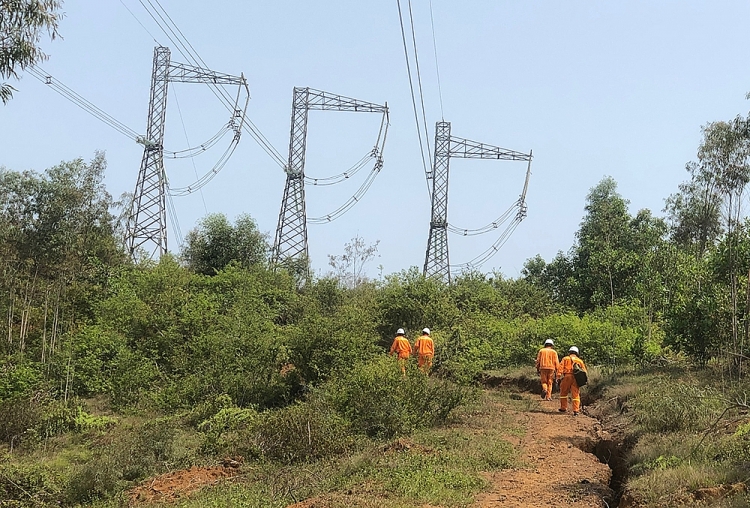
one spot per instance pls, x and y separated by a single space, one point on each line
227 420
671 406
130 455
26 419
300 432
98 478
378 402
17 379
29 485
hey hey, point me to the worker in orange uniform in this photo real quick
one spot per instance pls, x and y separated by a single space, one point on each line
402 348
568 381
425 349
546 366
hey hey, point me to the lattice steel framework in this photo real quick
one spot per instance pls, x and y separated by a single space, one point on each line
436 262
147 220
290 242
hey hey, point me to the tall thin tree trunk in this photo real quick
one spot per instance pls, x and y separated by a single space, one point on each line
11 306
44 326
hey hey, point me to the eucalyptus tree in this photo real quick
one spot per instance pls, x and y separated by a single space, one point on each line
694 212
724 154
58 247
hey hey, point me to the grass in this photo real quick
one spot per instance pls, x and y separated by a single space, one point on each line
440 466
679 452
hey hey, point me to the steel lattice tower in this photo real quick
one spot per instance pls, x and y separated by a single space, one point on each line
147 220
436 263
291 233
290 242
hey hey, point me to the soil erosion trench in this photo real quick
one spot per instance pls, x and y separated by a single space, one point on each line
565 460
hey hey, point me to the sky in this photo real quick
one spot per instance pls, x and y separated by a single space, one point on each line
595 89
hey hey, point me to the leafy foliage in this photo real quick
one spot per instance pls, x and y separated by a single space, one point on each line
676 406
22 23
379 402
215 243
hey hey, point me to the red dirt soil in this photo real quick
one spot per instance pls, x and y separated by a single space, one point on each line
178 484
558 466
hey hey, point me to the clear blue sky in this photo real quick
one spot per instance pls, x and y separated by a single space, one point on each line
594 88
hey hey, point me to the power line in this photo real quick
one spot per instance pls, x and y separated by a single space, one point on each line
189 53
428 173
184 129
139 22
437 67
419 80
84 104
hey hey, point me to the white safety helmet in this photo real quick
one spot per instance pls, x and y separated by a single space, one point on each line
550 342
573 349
426 330
400 331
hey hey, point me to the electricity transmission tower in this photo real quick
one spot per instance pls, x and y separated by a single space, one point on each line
147 220
436 263
290 243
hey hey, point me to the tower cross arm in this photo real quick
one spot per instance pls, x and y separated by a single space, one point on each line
326 101
467 149
184 73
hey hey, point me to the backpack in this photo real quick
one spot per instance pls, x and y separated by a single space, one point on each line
581 377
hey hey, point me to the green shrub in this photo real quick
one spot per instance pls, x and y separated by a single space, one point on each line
377 401
132 376
17 378
672 406
98 478
227 420
34 485
130 455
85 422
27 419
300 432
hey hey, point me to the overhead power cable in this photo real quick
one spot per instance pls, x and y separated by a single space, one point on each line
82 103
139 22
208 176
489 227
120 127
184 130
175 223
419 82
160 16
437 67
493 249
348 204
377 154
425 160
520 205
341 177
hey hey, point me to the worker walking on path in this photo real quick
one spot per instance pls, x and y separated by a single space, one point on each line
546 366
566 370
424 347
402 348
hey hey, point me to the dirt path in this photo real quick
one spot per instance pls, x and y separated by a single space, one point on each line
558 468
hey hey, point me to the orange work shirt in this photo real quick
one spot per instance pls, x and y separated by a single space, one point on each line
424 345
401 346
566 365
546 358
